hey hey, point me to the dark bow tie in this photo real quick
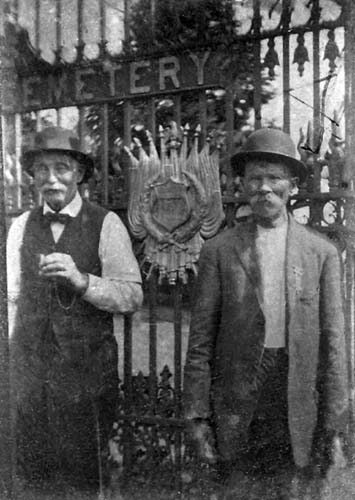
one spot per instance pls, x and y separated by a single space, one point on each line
50 217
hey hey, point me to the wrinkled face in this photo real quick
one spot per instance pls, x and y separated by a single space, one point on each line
56 177
268 187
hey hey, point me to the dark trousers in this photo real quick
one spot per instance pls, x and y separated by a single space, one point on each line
61 441
265 465
269 445
65 410
265 468
266 447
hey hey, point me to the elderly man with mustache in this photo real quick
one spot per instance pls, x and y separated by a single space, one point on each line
70 269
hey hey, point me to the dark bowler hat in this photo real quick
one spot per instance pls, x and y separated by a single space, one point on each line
61 140
269 144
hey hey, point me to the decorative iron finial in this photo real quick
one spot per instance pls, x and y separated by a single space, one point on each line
300 56
271 58
331 51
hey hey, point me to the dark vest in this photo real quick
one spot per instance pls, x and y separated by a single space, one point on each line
59 337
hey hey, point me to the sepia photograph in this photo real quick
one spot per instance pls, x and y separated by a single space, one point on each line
177 250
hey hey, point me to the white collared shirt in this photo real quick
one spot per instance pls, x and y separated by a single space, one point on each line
118 290
271 252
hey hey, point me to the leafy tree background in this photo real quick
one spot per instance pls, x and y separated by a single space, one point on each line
178 25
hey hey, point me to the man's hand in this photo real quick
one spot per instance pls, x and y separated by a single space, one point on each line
61 265
202 439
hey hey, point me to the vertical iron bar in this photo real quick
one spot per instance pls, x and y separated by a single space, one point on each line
286 68
127 453
127 118
177 294
80 27
84 189
127 137
81 110
153 385
202 108
152 17
349 94
350 342
6 448
126 21
104 154
257 84
102 21
349 175
37 196
153 289
315 208
257 63
316 91
177 110
58 21
152 118
127 382
37 24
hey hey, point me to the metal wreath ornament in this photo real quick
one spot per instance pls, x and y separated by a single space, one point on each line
175 201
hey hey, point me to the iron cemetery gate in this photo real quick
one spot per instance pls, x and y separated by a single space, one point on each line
110 93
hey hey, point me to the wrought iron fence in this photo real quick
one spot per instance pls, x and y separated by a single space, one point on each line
109 97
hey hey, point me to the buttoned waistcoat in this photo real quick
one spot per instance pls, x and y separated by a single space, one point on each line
59 338
227 337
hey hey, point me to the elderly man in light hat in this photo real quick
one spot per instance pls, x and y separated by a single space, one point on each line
71 268
265 372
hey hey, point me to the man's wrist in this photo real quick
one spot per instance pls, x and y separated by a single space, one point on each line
82 284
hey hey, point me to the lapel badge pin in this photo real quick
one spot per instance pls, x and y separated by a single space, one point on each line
297 273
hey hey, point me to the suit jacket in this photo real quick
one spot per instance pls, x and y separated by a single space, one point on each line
227 338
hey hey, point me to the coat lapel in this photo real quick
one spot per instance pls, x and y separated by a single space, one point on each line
294 268
245 250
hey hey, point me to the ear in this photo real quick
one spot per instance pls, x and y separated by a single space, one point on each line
294 185
81 172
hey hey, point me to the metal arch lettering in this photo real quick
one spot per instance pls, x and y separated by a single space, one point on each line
110 80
